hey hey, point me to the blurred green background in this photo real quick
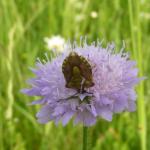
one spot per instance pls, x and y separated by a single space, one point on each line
24 24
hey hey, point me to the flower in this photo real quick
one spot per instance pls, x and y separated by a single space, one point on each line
55 43
108 80
94 14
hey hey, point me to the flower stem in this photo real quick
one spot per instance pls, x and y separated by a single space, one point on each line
84 138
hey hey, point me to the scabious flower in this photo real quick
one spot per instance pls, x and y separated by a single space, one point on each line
108 79
55 43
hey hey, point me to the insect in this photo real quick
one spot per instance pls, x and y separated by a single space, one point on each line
77 72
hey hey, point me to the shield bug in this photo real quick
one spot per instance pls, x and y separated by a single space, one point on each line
77 72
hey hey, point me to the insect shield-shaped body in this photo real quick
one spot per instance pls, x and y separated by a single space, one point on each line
77 72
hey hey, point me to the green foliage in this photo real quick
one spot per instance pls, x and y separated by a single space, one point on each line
23 26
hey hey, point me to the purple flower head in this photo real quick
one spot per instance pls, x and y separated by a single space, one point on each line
107 89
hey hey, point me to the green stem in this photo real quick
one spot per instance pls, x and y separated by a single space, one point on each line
132 28
136 36
84 138
141 102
